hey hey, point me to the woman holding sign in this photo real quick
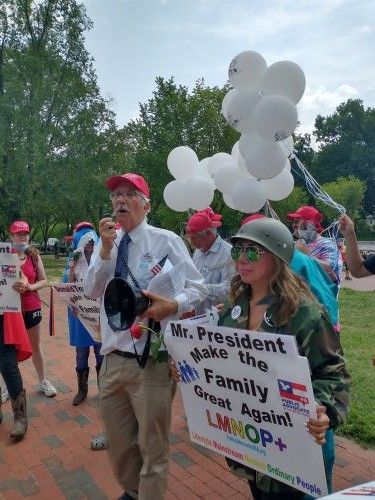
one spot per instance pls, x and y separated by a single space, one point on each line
266 296
270 297
33 270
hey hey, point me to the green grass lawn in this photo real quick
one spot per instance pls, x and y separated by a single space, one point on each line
357 320
54 267
357 337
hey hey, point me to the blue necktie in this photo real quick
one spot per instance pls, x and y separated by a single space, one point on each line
122 257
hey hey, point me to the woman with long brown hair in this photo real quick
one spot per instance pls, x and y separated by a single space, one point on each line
272 298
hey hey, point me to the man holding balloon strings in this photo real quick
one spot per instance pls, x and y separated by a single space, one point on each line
211 257
135 398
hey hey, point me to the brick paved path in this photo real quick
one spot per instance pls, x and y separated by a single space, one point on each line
55 461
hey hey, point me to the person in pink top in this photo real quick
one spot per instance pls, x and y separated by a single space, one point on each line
33 269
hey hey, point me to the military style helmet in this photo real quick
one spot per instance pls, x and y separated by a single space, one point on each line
272 234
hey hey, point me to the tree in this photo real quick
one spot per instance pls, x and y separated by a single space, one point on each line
58 138
171 118
348 192
297 198
347 147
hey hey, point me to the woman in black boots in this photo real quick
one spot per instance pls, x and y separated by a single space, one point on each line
14 347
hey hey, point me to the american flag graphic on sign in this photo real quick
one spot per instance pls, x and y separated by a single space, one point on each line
159 266
293 391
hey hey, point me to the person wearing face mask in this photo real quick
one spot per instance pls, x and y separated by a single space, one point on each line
306 230
33 270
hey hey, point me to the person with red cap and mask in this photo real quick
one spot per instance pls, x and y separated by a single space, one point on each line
211 257
33 269
306 229
135 397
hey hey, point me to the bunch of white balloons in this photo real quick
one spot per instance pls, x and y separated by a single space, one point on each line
262 107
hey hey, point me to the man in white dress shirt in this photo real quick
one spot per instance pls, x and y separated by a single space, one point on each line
211 257
135 403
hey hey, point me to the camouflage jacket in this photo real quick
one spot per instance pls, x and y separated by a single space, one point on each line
316 340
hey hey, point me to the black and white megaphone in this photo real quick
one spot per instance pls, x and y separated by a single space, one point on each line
122 304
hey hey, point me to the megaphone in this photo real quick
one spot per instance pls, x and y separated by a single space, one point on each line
122 304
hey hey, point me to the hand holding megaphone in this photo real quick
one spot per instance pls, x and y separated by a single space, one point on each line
107 232
160 307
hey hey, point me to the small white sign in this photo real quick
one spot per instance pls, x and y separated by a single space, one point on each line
10 300
85 308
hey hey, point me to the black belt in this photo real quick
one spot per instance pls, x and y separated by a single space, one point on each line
124 354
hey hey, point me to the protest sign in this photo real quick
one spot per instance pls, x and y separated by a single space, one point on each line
10 300
85 308
361 491
247 395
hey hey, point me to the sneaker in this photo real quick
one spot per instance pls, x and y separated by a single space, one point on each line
4 394
47 388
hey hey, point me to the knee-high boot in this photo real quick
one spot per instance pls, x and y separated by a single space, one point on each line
82 378
20 416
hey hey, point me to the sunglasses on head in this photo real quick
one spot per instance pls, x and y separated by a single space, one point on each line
251 252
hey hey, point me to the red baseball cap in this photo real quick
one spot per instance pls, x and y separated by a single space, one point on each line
82 224
308 213
135 180
19 226
251 217
203 220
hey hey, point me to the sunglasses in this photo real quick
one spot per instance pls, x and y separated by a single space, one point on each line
251 252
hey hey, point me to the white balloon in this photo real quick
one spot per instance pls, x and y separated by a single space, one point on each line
288 145
235 152
227 98
174 196
285 78
228 201
246 70
240 110
202 170
280 186
248 196
199 193
182 162
219 160
275 117
263 159
226 178
241 164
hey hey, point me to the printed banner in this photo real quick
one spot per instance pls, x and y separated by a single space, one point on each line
247 395
84 307
10 300
362 491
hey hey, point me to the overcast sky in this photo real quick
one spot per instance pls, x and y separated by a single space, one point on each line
134 41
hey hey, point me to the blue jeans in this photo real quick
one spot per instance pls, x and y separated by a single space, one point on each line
82 357
9 366
329 459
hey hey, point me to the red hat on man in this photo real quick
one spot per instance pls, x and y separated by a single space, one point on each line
82 224
203 220
251 217
136 180
310 214
19 226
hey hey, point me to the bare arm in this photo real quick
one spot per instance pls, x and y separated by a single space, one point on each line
353 256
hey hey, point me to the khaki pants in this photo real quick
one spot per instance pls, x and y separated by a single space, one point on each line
135 406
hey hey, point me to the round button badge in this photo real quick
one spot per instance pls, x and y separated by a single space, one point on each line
236 312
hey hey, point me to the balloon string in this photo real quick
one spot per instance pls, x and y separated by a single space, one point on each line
313 187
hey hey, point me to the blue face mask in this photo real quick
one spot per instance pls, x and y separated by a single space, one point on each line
21 247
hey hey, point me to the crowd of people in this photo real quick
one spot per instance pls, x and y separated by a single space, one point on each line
284 281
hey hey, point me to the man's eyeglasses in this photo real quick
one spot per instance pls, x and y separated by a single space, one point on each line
251 252
129 194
